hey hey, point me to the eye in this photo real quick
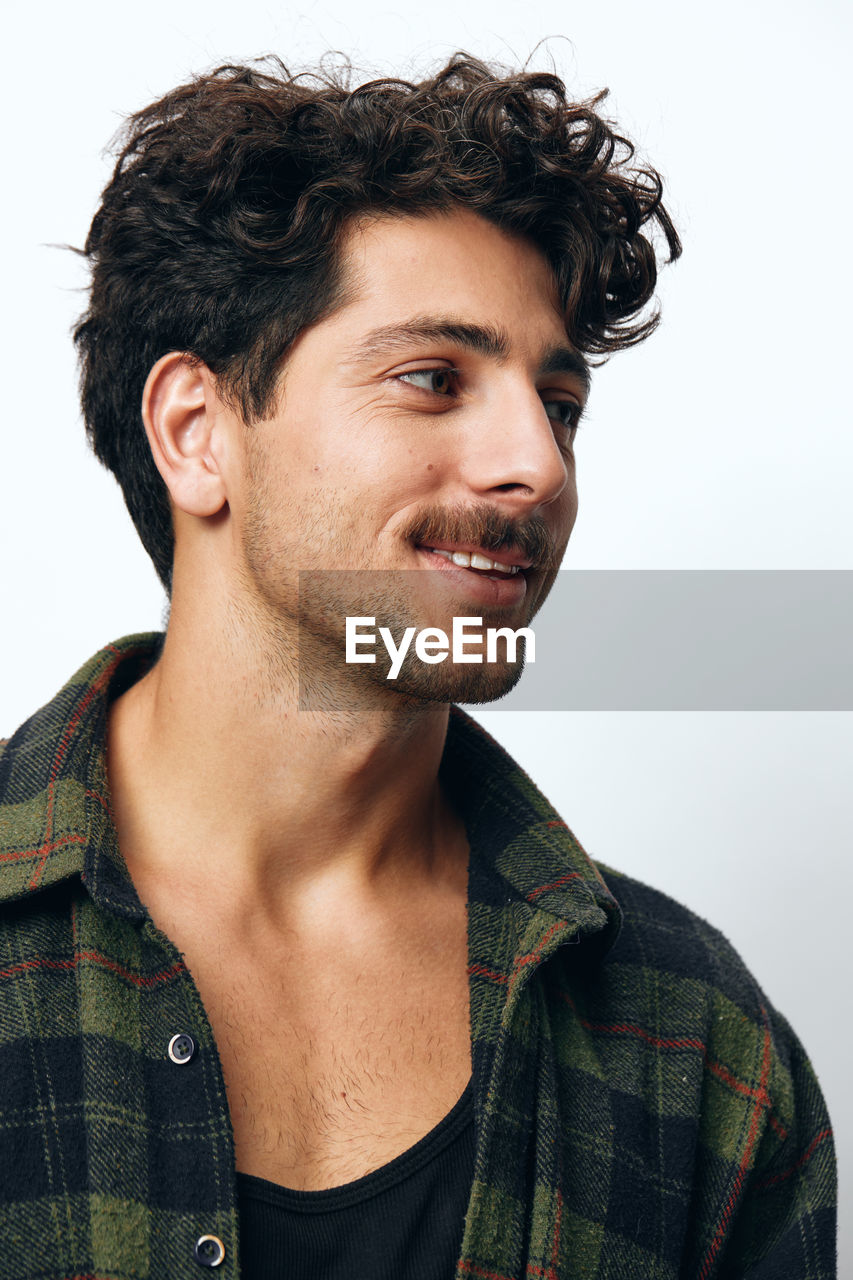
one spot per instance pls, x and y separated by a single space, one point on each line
441 382
566 412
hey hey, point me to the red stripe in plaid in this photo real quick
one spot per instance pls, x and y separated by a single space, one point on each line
473 1270
777 1126
739 1086
480 971
761 1101
102 800
628 1028
533 957
43 851
807 1155
716 1068
138 979
555 884
94 689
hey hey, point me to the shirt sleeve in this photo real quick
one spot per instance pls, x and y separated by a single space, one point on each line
785 1223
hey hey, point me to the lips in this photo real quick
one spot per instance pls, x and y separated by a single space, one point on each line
493 582
467 556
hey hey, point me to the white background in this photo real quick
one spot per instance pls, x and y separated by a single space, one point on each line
721 443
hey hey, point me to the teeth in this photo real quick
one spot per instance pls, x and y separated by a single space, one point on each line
466 560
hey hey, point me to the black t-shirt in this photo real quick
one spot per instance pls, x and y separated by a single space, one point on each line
401 1222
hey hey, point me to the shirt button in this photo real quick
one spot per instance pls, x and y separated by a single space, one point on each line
182 1049
208 1251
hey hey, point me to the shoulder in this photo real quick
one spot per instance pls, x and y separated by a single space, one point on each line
658 933
53 783
677 971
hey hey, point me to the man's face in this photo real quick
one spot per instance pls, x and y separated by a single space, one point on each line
434 413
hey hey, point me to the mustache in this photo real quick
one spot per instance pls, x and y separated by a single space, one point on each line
485 527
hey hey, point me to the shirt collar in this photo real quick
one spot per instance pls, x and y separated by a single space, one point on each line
526 853
55 820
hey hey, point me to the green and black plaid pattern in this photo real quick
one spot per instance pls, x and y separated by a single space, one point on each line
642 1112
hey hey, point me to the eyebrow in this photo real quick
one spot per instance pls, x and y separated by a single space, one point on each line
483 339
565 360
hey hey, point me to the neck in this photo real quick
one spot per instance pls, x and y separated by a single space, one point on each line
219 777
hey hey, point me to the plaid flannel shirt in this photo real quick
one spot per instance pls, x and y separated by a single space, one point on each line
641 1110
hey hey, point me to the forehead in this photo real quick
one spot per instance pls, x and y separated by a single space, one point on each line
455 263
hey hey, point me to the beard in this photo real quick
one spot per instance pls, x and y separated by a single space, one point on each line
299 605
396 601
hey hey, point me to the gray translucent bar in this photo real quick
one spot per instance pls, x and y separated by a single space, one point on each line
692 640
629 640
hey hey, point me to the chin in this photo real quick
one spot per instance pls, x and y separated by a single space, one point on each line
449 682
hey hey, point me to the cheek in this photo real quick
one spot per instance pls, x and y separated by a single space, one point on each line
569 501
409 474
573 509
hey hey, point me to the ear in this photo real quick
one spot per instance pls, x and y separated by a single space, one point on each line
181 411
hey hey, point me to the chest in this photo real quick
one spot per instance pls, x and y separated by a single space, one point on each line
335 1064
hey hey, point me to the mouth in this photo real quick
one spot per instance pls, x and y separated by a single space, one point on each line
499 566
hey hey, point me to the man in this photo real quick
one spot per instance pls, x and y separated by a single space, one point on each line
301 975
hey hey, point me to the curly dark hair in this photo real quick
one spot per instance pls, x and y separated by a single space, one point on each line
218 232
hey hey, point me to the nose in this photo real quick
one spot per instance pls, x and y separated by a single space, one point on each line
515 457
